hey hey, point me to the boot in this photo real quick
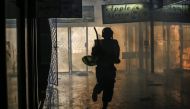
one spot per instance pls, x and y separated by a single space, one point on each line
94 96
105 105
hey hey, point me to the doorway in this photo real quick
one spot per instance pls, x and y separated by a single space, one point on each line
74 43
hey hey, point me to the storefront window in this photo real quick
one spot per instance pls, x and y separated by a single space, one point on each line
186 47
11 58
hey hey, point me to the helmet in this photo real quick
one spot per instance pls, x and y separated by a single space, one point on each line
89 60
107 32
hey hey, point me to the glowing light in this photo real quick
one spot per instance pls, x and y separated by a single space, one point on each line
186 58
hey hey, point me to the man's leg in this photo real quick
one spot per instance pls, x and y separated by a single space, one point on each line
97 90
99 85
105 105
107 93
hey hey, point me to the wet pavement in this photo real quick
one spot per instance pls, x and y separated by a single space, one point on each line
12 91
134 90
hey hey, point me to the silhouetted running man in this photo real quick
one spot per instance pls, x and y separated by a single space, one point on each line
107 50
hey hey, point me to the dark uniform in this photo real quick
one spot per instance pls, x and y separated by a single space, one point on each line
107 51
